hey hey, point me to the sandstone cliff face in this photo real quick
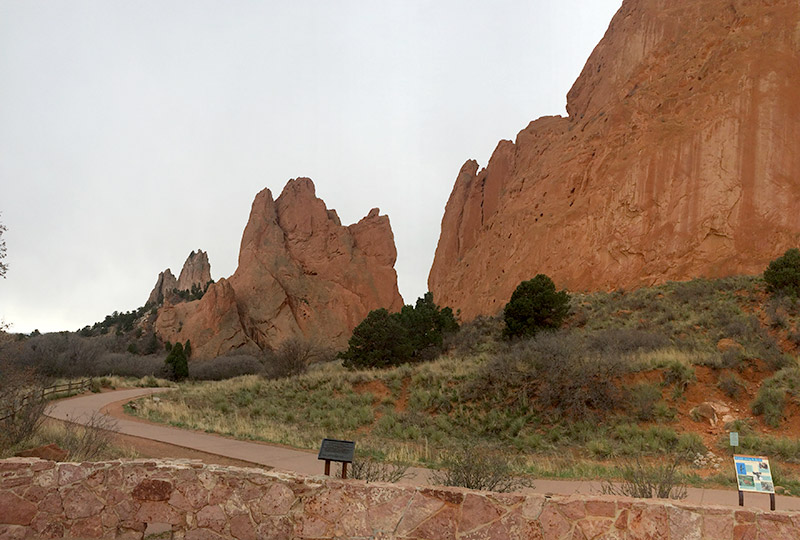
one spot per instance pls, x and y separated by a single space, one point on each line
300 273
678 160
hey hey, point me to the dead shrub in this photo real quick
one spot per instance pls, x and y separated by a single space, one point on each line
225 367
90 438
479 468
642 480
561 376
371 470
293 357
22 407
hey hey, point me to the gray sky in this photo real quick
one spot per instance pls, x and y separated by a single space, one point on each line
132 133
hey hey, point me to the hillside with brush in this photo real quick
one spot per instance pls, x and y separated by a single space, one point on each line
655 373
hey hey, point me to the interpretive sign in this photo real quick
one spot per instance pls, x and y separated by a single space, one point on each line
336 450
753 474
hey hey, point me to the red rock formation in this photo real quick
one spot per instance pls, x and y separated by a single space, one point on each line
300 273
678 160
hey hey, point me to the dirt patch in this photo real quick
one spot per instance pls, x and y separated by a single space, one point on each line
402 402
376 388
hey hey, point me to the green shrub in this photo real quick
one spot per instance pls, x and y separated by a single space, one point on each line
642 400
771 398
731 385
535 305
680 374
769 403
783 274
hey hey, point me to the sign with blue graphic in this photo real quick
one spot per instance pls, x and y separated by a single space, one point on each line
753 474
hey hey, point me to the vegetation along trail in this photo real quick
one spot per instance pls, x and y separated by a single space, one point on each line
80 408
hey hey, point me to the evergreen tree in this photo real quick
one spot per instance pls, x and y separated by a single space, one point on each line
386 339
380 340
783 274
535 305
177 362
426 324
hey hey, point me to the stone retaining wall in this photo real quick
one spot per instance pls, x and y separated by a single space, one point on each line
184 499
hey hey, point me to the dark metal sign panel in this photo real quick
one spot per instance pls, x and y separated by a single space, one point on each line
336 450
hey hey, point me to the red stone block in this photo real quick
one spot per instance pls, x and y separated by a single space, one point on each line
277 500
212 517
572 510
554 525
745 516
601 508
746 531
477 511
90 527
441 526
280 528
15 510
718 526
242 528
79 502
159 512
13 532
16 464
152 490
595 528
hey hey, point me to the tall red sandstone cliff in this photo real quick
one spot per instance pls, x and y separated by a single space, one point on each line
680 158
300 273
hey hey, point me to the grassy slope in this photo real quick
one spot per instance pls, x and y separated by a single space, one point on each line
660 346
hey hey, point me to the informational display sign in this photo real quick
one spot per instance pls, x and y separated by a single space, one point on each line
734 436
336 450
753 474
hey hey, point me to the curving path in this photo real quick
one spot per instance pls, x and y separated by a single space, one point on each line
79 409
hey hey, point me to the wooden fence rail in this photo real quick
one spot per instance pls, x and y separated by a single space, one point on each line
40 394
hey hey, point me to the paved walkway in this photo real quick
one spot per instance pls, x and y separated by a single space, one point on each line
80 408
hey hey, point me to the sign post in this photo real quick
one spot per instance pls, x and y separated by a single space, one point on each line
753 474
336 450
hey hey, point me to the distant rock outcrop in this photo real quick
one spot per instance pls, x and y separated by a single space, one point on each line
165 284
196 271
300 273
195 274
678 160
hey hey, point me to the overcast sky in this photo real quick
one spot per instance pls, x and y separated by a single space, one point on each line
132 133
